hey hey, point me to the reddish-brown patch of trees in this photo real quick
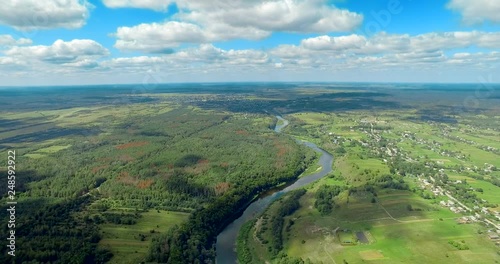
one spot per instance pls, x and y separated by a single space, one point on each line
132 145
222 187
98 168
242 132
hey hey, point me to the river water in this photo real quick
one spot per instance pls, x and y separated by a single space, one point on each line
226 240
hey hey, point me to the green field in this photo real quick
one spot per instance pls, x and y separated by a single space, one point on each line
124 240
490 191
400 225
411 237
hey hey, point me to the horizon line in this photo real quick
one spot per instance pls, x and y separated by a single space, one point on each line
248 82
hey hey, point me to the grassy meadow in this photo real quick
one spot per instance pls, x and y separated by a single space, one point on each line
125 242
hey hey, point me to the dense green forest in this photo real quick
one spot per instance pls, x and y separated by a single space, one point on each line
56 234
180 158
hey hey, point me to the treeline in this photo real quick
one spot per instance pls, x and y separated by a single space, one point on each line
404 168
119 219
244 252
193 242
390 182
287 206
53 233
493 180
324 198
273 226
384 182
283 258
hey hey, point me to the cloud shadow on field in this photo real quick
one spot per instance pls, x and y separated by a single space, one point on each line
48 134
296 102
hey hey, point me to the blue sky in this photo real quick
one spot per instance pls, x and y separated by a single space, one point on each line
134 41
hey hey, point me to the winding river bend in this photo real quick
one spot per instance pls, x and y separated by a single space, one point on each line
226 240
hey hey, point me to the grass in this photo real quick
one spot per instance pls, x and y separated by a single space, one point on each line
371 255
53 149
491 193
313 118
401 234
35 155
124 241
354 169
414 237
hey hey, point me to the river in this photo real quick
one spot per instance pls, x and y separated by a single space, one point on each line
226 240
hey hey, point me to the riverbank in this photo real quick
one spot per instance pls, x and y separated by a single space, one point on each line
226 240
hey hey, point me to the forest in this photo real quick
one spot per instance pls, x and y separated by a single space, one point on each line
140 156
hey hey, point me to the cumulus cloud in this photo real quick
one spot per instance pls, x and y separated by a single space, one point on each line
392 43
83 64
10 61
327 55
477 11
334 43
334 53
465 58
205 54
158 37
47 14
157 5
8 40
276 15
60 52
210 21
387 50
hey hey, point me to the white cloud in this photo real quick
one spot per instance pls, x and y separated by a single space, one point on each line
466 59
211 21
275 15
387 43
334 43
157 5
47 14
83 64
8 40
157 37
315 58
384 50
134 64
477 11
60 52
205 54
10 61
452 40
210 54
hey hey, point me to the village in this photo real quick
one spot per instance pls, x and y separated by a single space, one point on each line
438 184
